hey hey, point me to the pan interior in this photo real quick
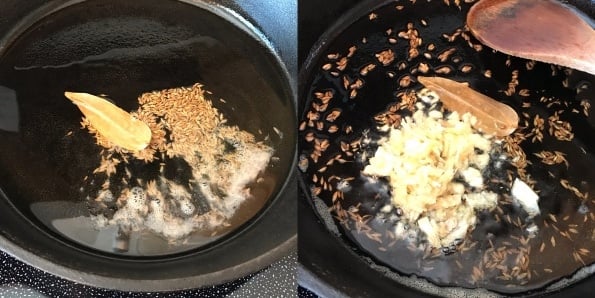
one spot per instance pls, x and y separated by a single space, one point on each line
123 49
343 95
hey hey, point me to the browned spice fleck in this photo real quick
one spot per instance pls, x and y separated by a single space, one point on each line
333 56
586 107
443 69
423 67
342 63
386 57
366 69
552 158
405 81
352 50
443 56
560 129
466 68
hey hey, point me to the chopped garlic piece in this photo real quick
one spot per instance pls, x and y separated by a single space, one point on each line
429 228
481 160
525 196
473 177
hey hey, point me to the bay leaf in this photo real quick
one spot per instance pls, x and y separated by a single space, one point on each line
493 117
113 123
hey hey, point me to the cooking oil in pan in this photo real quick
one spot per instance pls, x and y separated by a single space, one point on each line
63 178
364 80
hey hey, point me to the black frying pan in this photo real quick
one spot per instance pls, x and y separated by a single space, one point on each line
47 47
362 266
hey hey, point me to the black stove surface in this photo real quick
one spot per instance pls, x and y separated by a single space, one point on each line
18 279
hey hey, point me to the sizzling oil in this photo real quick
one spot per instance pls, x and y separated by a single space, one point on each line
549 247
46 166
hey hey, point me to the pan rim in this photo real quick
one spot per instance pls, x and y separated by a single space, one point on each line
283 247
307 272
148 285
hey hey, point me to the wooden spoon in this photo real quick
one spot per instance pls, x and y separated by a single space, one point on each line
542 30
492 117
113 123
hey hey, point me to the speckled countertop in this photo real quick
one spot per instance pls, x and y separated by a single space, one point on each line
21 280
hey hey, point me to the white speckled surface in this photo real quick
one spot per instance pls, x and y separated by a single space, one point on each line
20 280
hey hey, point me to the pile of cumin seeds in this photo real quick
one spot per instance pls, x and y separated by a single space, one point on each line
196 131
217 162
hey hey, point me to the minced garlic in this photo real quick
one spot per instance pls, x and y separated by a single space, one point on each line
434 165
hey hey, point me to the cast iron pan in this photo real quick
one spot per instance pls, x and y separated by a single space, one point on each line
386 270
125 49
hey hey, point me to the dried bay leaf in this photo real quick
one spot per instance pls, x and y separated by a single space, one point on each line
493 117
115 124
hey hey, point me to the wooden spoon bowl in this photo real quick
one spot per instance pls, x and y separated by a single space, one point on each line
542 30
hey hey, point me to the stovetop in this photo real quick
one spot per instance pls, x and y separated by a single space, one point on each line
18 279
